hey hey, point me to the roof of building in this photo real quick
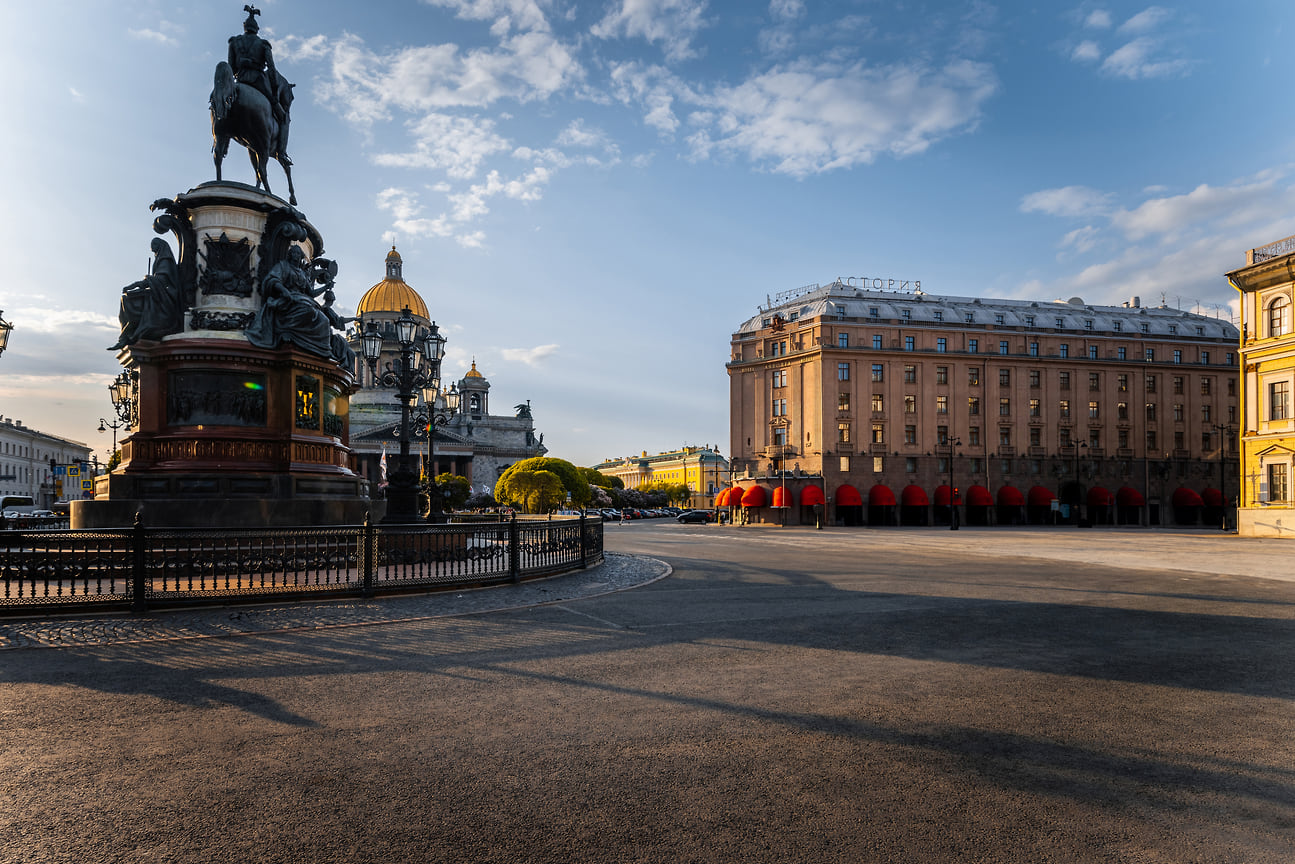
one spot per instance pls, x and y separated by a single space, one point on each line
841 301
393 293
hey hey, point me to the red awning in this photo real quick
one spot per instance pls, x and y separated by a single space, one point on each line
978 496
913 496
1010 496
1127 496
848 496
1040 497
1184 497
721 497
1212 497
754 497
1100 497
942 495
812 495
881 496
734 498
784 497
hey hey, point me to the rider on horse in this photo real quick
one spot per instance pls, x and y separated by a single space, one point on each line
253 63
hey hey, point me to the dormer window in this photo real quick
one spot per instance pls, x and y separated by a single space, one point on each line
906 314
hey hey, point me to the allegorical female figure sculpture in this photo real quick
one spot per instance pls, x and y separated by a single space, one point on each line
152 307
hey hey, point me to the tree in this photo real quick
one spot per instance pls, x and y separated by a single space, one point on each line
572 480
601 480
531 491
453 489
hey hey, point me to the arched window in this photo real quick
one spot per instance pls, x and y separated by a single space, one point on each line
1279 321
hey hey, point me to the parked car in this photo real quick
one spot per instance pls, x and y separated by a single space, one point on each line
702 516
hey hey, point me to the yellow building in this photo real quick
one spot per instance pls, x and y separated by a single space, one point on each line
1267 286
703 469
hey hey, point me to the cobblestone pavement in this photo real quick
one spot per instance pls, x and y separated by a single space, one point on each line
616 573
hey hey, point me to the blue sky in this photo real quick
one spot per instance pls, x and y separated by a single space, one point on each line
592 196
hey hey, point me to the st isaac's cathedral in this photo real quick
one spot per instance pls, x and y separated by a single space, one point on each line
472 443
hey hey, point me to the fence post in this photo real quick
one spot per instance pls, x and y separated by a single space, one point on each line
584 558
514 550
368 555
138 604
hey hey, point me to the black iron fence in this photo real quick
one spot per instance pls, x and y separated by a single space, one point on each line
139 568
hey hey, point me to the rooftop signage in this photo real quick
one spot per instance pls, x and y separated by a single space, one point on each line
874 283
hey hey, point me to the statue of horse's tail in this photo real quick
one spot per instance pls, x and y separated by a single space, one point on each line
224 91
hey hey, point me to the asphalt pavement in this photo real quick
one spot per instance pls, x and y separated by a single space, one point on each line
764 694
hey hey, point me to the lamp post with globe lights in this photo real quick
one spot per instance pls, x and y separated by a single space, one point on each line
5 327
410 374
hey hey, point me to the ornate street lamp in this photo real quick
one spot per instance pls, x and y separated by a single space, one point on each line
953 496
438 409
104 426
1079 490
5 327
411 374
122 392
1223 429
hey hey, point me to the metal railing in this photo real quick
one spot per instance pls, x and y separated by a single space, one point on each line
139 568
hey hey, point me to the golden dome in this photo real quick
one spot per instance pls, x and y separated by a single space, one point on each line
473 373
393 293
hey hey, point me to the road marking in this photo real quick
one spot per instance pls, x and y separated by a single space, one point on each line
611 624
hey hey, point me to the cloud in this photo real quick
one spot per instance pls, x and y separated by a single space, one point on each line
457 145
1135 60
1098 19
1086 52
529 356
301 48
1237 204
507 14
1081 239
1068 201
149 35
1146 20
672 23
803 119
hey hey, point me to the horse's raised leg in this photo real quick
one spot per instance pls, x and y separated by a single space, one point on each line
287 172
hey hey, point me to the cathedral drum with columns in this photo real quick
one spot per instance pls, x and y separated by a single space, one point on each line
470 442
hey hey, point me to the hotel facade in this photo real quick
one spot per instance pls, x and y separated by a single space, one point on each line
1267 289
881 406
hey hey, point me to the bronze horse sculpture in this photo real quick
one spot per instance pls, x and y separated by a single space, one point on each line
243 114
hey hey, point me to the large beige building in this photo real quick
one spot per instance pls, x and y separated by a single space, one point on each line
1267 507
882 402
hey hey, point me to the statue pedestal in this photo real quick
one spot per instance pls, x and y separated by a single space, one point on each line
228 434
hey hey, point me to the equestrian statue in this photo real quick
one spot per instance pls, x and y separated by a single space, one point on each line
251 104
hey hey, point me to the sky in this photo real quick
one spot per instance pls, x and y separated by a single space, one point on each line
591 197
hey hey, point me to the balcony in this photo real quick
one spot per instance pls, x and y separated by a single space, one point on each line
779 451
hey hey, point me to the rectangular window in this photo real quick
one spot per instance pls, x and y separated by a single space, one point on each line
1122 410
1063 409
1088 323
998 318
906 314
1119 325
1002 347
941 374
1205 358
843 340
1034 349
1207 384
1232 386
1092 411
942 435
970 318
878 403
973 405
1151 383
780 378
1092 352
842 371
1064 378
910 343
941 345
974 466
1279 400
1122 353
1061 323
1178 441
1178 356
1229 358
1004 407
1178 385
878 433
910 374
878 464
1122 438
878 372
874 312
937 315
1277 489
843 402
876 342
941 404
973 345
1029 320
845 464
910 404
1004 377
1035 409
1034 378
910 464
1094 381
942 465
1145 328
1122 383
1063 436
1151 411
973 377
1036 436
1151 355
1005 436
910 434
1206 414
973 436
1151 442
1063 350
843 433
